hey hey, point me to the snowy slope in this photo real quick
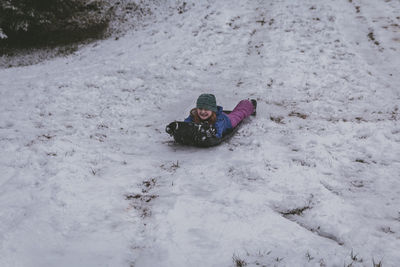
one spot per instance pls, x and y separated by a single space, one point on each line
88 177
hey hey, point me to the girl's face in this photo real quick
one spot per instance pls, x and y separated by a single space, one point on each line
204 114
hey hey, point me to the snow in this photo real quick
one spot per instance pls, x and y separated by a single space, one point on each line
2 34
88 176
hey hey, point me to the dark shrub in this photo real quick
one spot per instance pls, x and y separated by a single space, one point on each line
26 23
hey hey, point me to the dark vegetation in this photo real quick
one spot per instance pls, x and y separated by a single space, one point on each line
141 201
238 262
38 23
296 211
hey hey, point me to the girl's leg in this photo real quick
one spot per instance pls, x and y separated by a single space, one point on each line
243 109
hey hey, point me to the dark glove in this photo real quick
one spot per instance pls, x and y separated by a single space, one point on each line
171 128
204 131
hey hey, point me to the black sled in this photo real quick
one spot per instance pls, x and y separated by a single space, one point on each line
199 135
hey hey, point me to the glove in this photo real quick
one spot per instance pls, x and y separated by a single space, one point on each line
204 131
171 128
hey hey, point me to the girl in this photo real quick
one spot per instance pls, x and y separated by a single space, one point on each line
207 111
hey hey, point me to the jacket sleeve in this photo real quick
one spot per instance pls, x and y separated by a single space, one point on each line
223 123
189 119
220 131
221 126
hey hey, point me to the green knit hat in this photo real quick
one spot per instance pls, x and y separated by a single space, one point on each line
207 101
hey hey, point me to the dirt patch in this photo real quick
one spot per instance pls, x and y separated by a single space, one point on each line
298 114
278 119
371 36
141 201
297 211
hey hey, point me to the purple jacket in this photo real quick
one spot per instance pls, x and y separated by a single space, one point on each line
222 124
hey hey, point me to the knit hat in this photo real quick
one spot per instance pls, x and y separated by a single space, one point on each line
207 101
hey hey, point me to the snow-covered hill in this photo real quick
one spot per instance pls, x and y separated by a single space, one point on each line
88 177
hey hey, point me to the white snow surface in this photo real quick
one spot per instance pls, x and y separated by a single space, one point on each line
88 176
